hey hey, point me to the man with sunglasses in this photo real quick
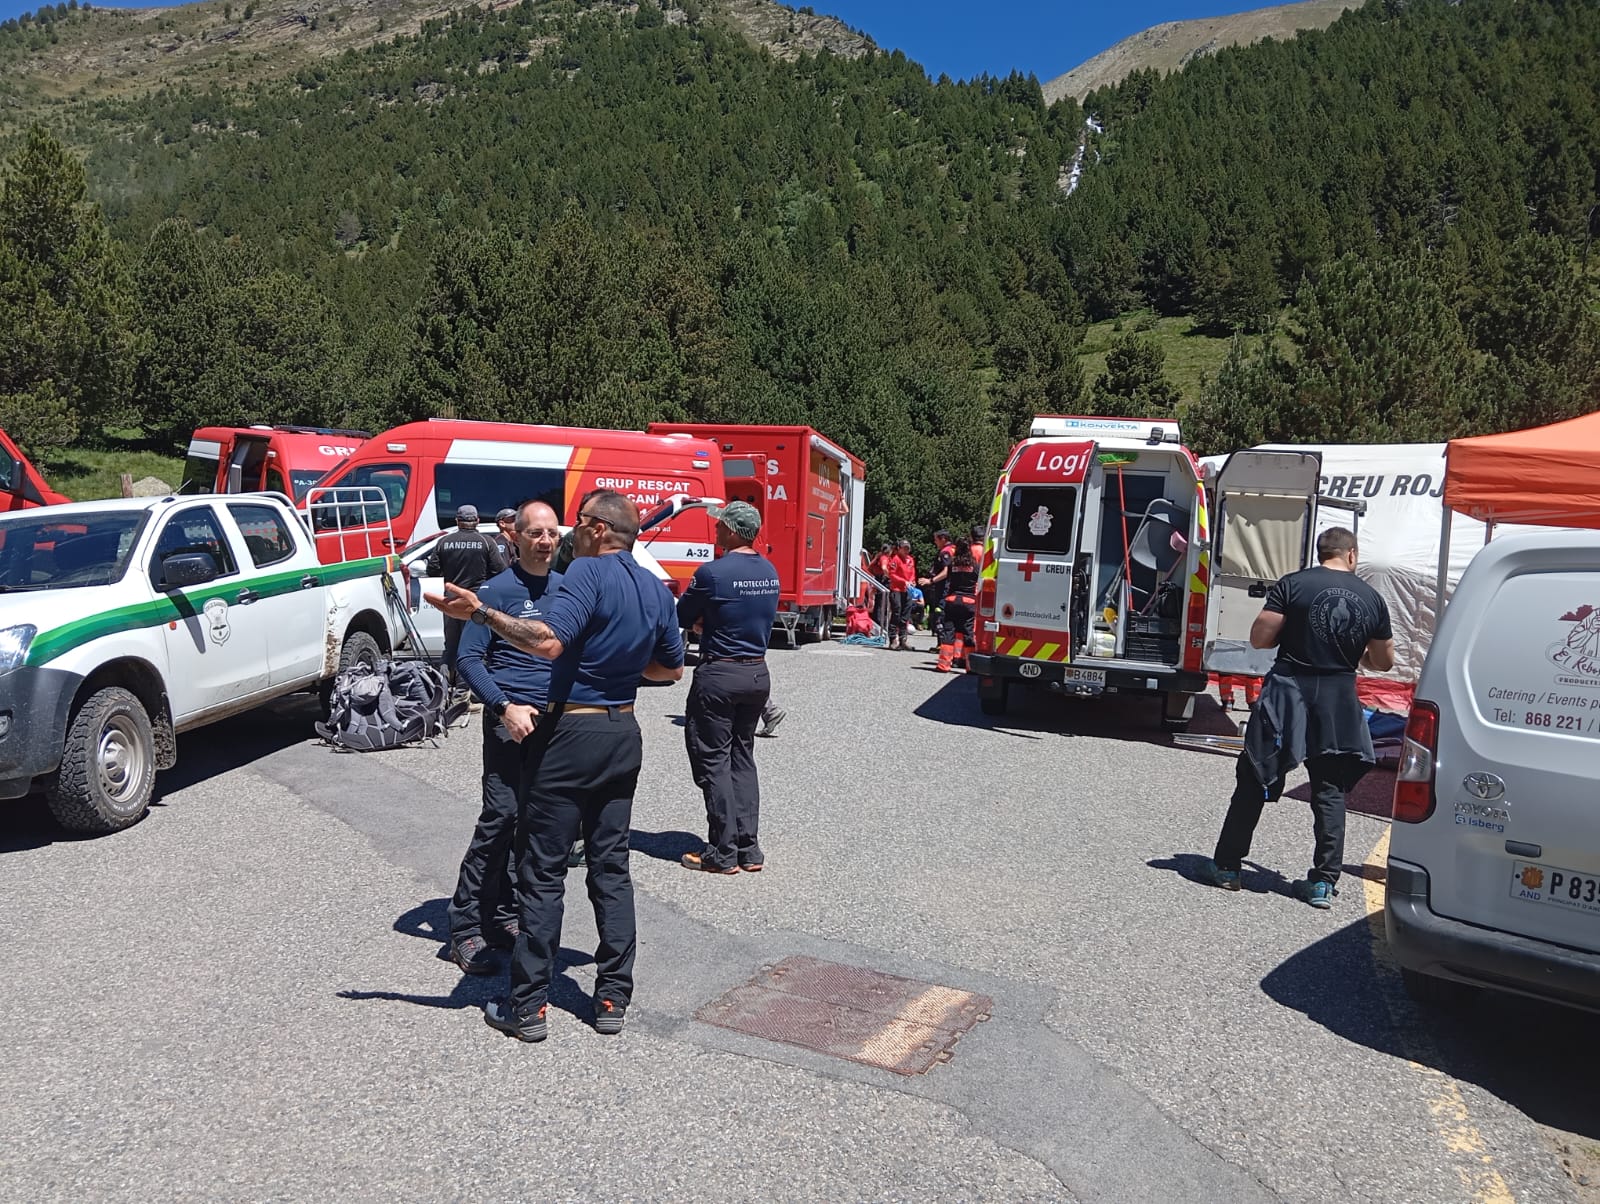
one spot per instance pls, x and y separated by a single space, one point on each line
609 624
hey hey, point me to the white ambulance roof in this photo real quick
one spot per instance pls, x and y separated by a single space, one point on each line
1128 430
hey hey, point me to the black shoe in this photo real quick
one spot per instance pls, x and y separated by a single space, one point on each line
498 1013
698 861
608 1017
472 955
577 855
503 936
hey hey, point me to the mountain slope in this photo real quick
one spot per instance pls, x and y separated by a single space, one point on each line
92 54
1169 46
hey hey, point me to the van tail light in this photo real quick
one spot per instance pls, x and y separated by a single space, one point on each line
1414 794
983 634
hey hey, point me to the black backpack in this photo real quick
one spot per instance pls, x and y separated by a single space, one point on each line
399 702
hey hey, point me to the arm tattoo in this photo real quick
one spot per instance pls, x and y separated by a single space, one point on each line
526 634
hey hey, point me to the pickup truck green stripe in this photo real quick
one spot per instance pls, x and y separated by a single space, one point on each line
48 645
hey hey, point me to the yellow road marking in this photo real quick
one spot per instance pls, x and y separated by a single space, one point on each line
1482 1182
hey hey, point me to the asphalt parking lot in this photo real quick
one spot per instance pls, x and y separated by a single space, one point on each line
243 998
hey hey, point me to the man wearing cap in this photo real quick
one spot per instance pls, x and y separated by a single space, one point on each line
735 600
465 557
506 538
609 624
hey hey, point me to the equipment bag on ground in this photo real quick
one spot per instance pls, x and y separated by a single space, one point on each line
397 703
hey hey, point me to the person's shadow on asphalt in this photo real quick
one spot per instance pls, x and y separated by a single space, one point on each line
665 846
1255 878
430 921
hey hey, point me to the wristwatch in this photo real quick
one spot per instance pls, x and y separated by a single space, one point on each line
481 616
499 708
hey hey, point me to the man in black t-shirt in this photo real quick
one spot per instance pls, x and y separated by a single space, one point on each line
1325 623
735 600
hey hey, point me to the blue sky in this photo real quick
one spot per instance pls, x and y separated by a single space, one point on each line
963 39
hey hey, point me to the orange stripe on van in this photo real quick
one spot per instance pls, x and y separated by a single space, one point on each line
575 467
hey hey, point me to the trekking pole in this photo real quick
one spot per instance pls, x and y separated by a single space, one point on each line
413 636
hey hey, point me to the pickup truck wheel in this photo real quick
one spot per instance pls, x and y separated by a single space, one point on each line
108 765
359 648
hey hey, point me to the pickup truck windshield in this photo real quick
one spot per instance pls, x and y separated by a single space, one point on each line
41 551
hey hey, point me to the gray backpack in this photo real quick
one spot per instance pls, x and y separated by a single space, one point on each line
399 702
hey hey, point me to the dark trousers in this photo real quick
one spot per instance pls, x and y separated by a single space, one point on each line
588 768
485 886
1331 778
719 730
897 615
958 616
452 644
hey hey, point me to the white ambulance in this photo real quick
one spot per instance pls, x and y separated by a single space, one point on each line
1107 569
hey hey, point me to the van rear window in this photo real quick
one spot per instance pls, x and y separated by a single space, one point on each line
493 487
1041 518
1535 665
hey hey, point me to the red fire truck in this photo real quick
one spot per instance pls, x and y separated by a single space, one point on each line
811 494
21 485
245 459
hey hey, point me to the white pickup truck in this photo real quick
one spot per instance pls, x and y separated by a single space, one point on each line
126 622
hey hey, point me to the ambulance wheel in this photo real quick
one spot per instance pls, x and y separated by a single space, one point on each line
1176 710
108 765
993 694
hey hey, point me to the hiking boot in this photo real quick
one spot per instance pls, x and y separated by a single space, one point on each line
608 1016
769 724
1213 874
498 1013
697 861
577 855
1315 892
472 955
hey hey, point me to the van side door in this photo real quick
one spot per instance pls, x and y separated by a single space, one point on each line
1265 527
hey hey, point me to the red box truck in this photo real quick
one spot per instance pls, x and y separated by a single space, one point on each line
811 494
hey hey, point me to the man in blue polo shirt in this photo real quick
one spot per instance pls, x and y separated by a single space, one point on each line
735 600
609 624
514 687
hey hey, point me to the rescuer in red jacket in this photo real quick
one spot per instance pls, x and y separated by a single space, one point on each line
902 570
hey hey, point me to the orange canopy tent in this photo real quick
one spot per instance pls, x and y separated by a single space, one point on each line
1548 475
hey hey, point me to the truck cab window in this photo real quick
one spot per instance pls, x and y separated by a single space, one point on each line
265 534
190 531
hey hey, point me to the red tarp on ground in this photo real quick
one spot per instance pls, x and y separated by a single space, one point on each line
1550 474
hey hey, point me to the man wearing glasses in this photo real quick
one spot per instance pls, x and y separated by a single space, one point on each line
514 687
609 624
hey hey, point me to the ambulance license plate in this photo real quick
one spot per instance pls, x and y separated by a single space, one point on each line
1547 884
1083 677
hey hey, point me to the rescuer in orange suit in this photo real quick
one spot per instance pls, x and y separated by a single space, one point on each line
902 575
960 610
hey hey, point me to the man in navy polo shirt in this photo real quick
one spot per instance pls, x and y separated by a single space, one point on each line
735 600
609 624
514 686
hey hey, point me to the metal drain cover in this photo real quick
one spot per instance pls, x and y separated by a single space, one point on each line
896 1024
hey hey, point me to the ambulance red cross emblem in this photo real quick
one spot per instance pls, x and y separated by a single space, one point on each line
1029 567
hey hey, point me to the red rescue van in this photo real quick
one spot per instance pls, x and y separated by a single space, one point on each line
22 486
248 459
425 470
1107 568
811 494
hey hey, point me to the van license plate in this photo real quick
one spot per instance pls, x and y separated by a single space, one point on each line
1084 677
1547 884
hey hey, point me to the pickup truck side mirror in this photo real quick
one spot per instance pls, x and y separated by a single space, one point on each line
184 569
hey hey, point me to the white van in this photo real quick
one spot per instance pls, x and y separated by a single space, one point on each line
1494 856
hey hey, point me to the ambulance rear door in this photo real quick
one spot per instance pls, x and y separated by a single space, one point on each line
1036 545
1265 527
